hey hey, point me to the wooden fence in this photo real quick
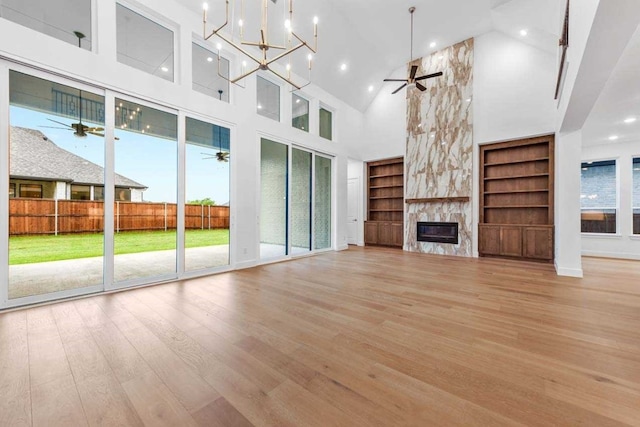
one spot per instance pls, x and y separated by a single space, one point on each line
45 216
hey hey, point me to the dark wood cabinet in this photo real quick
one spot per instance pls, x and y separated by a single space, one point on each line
516 199
385 207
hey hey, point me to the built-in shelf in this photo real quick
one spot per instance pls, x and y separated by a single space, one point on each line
385 196
530 175
516 206
386 175
373 187
542 190
438 200
512 162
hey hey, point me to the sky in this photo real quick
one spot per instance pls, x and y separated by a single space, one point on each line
146 159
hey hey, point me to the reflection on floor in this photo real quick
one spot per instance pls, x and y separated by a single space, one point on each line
46 277
270 251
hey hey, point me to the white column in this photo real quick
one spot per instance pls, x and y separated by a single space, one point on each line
568 245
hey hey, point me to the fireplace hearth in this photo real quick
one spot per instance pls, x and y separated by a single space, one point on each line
438 232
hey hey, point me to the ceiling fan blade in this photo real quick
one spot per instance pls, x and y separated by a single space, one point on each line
429 76
394 80
412 73
420 86
398 90
60 123
54 127
98 129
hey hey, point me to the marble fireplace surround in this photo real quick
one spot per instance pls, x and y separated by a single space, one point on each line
439 151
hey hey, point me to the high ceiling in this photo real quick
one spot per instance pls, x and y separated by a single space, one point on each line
619 101
372 36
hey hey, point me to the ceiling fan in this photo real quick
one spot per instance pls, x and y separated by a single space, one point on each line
412 81
79 129
221 156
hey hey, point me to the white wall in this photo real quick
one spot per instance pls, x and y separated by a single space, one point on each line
385 124
513 89
623 244
101 69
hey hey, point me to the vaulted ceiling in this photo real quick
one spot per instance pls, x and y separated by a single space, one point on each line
372 36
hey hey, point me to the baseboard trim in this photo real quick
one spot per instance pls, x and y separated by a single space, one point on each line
616 255
568 272
244 265
343 247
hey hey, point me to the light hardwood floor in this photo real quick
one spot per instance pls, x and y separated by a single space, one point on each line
362 337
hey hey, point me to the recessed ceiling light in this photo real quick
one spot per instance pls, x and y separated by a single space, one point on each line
441 57
524 33
468 99
298 101
589 163
343 66
432 45
259 107
370 88
165 69
630 120
613 137
210 59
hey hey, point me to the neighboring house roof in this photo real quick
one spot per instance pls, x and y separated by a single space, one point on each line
35 156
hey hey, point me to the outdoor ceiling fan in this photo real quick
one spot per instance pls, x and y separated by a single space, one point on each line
412 81
221 156
79 129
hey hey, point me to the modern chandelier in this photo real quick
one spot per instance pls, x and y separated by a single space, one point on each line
292 42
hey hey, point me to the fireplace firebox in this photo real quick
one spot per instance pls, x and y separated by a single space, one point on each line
438 232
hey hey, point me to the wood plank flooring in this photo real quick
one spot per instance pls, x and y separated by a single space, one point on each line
364 337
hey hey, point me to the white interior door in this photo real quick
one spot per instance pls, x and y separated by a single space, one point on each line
353 195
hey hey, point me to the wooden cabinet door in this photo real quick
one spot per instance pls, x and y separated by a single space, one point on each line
489 239
538 242
370 233
397 234
385 234
511 241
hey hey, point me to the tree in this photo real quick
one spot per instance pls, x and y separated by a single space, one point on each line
207 202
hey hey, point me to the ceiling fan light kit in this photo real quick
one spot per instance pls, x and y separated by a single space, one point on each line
292 44
412 81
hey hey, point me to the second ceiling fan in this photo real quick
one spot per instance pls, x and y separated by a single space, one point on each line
413 81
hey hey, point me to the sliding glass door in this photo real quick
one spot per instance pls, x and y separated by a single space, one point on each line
274 178
206 232
295 208
146 188
56 181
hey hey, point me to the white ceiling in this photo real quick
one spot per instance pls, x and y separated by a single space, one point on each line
619 100
372 36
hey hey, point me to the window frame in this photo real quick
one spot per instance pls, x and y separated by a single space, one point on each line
330 110
616 208
31 185
280 92
12 190
635 163
199 41
161 21
305 98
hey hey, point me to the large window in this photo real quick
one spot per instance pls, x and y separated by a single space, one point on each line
300 113
268 99
598 197
66 20
144 44
636 195
210 76
12 190
33 191
326 124
55 244
207 196
80 192
146 162
295 207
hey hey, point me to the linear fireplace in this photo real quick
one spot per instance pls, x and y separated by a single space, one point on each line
438 232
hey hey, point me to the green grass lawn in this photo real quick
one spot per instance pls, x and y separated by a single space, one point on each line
32 249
